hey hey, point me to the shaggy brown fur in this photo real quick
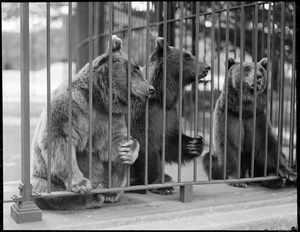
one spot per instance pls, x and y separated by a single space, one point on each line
234 78
191 147
123 151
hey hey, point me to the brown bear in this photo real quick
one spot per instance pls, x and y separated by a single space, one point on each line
123 151
234 77
191 147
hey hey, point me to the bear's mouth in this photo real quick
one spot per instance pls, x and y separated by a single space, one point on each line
139 95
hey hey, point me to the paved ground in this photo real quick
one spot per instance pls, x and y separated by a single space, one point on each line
214 206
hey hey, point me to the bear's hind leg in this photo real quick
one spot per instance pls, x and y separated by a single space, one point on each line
79 184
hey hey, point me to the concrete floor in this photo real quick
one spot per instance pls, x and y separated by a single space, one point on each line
214 206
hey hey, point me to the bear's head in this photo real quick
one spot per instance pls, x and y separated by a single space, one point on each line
139 86
189 67
248 82
248 72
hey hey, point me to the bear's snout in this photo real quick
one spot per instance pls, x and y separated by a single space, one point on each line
206 68
203 69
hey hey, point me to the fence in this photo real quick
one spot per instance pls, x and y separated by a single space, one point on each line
212 32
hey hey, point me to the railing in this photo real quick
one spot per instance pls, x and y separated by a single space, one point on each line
25 210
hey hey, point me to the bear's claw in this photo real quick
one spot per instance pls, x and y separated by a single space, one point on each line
195 146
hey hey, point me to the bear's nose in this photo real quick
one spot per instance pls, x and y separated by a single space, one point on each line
151 90
206 68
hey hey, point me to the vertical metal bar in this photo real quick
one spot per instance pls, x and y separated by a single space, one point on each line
218 39
235 34
96 29
268 89
25 97
204 85
147 103
226 90
212 85
241 86
196 84
180 91
273 64
48 99
255 91
292 113
281 86
164 94
70 102
129 85
90 88
110 96
263 31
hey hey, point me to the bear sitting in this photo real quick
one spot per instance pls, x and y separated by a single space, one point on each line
122 151
191 147
234 77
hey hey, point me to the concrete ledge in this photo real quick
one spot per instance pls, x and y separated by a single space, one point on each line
217 206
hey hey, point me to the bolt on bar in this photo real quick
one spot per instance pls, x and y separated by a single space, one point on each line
196 84
90 88
147 103
255 84
212 87
110 95
281 86
241 84
164 94
48 98
129 84
268 88
180 91
226 91
25 111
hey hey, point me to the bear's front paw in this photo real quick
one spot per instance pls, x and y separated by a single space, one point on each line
129 150
81 185
195 146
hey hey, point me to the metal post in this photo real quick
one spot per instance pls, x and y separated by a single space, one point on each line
25 211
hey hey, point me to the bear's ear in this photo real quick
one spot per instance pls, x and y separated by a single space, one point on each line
264 62
230 62
116 44
160 43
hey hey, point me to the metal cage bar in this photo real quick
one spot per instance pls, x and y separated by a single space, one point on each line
70 148
147 103
241 86
196 84
180 90
226 91
255 85
212 86
163 154
129 84
48 98
90 88
268 89
281 86
110 96
292 114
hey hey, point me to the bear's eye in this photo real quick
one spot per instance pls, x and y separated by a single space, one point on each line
247 69
261 70
136 68
187 57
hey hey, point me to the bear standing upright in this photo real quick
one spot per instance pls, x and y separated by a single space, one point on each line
191 147
122 151
248 98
